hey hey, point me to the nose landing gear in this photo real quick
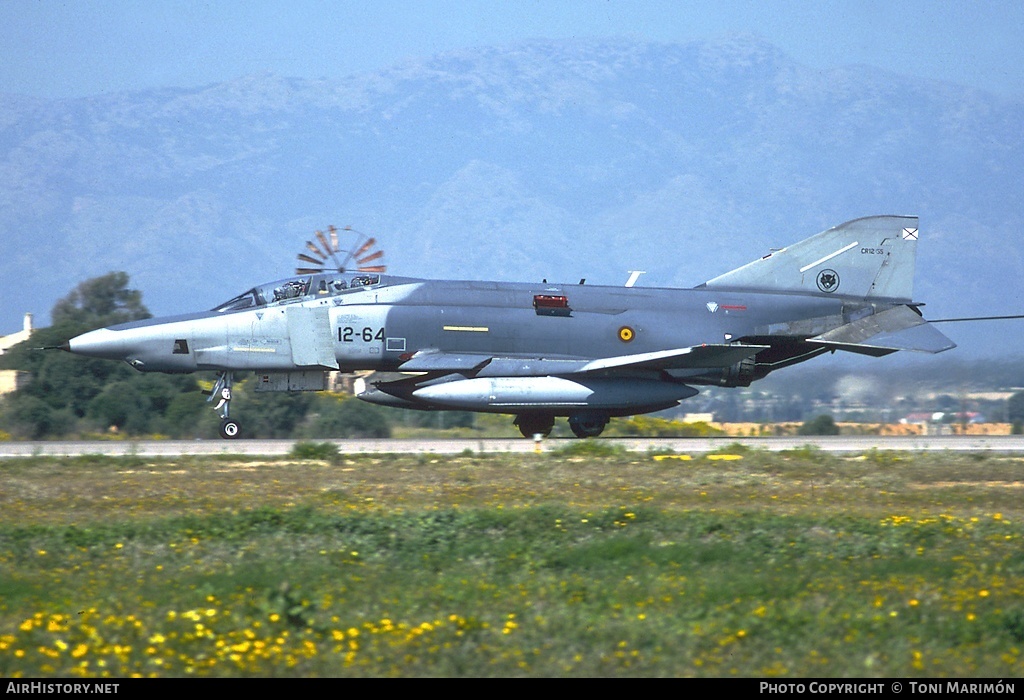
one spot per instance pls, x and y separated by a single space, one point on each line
229 429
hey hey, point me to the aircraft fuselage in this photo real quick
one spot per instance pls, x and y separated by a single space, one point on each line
380 327
539 350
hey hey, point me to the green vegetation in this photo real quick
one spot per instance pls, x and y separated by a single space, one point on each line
582 563
820 425
1015 408
653 426
591 447
70 395
315 450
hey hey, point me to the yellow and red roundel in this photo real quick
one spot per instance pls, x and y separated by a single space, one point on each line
626 334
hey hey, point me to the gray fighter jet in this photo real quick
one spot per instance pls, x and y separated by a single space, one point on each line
542 350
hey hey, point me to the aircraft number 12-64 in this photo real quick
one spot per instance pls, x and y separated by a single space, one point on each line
348 334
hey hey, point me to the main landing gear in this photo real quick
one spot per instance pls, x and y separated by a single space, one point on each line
229 429
583 425
531 424
586 425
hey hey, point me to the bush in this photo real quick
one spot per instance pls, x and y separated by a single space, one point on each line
314 450
347 418
821 425
652 426
30 417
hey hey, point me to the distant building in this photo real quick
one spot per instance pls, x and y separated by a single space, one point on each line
9 341
917 418
12 379
944 417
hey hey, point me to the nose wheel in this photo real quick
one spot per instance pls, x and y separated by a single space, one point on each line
229 428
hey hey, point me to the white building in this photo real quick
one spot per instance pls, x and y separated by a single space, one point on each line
12 379
9 341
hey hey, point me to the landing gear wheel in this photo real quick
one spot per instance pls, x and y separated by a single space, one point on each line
587 425
530 425
230 429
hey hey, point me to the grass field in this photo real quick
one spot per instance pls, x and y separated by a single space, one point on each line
579 562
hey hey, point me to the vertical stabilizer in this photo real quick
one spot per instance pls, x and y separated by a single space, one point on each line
869 257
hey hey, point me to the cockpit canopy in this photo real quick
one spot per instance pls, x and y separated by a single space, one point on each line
294 288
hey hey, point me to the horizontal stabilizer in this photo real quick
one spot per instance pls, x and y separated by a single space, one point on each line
899 328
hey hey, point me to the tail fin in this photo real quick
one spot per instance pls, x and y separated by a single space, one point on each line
869 257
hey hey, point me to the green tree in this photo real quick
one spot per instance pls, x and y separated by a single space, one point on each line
820 425
440 420
189 415
268 414
347 418
120 406
1015 408
32 418
64 389
100 302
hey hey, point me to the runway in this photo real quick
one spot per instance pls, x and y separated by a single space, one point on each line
1005 444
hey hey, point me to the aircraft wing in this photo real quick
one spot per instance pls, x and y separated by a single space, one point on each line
485 365
899 328
695 357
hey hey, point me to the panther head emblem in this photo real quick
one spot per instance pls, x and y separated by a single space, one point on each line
828 280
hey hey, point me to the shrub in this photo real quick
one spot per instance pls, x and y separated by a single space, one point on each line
314 450
347 418
821 425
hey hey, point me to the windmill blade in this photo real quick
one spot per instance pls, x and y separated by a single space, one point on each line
323 241
307 271
376 256
365 247
316 251
334 239
374 268
305 258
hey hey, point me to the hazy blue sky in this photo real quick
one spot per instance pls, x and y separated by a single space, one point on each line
52 48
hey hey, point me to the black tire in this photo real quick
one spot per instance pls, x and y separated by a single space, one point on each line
585 425
230 429
530 425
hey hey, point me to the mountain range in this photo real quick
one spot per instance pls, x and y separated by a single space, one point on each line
546 159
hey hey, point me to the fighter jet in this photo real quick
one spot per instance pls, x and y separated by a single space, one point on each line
539 350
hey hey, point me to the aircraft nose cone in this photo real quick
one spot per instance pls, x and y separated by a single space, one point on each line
100 343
